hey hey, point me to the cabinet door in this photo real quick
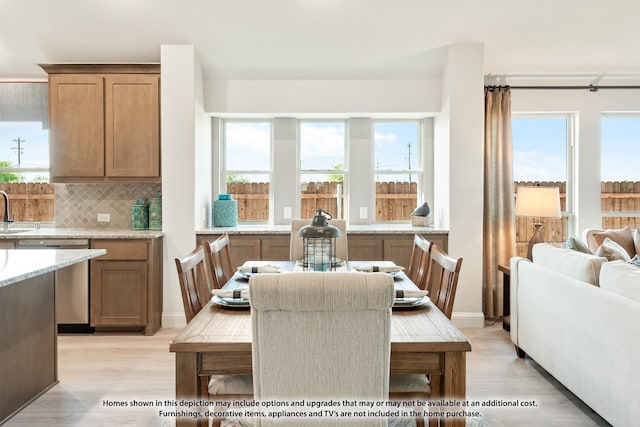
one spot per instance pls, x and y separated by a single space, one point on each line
76 109
364 248
118 293
275 248
132 125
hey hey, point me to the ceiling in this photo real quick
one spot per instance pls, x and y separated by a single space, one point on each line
324 39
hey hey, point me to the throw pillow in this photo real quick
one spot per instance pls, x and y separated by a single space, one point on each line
635 261
612 251
636 240
577 245
623 237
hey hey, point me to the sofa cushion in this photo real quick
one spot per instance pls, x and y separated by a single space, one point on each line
577 245
579 265
622 278
612 251
623 237
636 240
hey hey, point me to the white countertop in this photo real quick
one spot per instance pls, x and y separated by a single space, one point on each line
18 265
79 233
351 229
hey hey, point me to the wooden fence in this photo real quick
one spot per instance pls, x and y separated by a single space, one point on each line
29 201
394 200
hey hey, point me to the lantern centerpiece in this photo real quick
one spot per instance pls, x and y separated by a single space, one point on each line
319 243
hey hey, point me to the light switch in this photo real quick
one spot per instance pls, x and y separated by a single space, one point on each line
104 217
363 212
287 212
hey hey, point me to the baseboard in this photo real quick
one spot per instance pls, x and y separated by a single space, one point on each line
173 320
468 320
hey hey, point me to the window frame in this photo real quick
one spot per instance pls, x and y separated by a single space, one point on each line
224 172
571 141
419 171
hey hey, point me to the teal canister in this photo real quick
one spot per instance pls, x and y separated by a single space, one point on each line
139 215
225 211
155 212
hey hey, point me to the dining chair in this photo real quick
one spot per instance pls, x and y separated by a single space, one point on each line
321 336
420 261
195 279
219 258
444 271
195 285
295 245
440 276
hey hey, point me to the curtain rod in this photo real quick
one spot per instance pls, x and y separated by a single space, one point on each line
590 88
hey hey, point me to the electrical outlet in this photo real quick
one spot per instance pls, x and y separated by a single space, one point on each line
287 212
363 212
104 217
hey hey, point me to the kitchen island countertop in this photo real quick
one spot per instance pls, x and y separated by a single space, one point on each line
19 265
351 229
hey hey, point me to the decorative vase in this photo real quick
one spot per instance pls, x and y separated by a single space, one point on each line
155 212
225 211
139 215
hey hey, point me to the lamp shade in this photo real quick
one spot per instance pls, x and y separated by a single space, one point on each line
538 202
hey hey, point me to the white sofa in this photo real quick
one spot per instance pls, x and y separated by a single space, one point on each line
578 316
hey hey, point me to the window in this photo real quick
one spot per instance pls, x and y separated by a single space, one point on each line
541 147
247 167
620 175
24 152
322 167
398 168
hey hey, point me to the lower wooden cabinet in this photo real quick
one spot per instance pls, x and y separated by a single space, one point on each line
394 247
126 284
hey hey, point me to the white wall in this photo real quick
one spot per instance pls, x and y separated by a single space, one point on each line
588 108
180 195
458 152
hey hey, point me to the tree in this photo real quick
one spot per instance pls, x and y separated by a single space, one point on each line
335 177
7 176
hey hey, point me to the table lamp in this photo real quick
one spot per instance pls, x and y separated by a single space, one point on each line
537 202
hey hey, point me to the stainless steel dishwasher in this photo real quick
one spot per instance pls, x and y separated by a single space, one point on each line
71 285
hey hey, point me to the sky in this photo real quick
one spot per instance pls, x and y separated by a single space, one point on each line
539 148
322 145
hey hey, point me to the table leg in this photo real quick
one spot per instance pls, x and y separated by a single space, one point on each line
454 385
187 384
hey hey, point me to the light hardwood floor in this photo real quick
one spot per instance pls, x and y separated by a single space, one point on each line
97 370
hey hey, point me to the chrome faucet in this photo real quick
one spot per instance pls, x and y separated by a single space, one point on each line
5 219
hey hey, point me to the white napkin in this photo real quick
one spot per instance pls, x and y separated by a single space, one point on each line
411 293
227 293
372 268
258 269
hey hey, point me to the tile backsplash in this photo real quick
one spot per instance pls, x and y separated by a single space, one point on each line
78 205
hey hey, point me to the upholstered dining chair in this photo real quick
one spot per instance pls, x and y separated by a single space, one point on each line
219 258
295 247
420 260
195 286
321 336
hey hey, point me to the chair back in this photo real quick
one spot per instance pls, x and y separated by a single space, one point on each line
219 258
195 281
418 270
295 246
321 336
443 279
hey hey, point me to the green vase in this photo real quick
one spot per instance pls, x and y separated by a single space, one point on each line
139 215
155 212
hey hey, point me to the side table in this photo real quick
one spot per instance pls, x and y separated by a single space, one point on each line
506 296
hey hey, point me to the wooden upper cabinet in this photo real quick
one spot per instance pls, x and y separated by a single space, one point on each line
77 125
105 122
132 125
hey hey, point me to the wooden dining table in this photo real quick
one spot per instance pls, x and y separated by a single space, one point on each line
423 341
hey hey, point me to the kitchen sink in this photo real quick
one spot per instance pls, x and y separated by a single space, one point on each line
15 230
